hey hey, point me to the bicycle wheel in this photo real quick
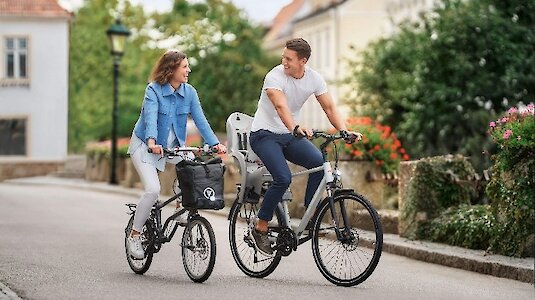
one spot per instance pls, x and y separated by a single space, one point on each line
351 258
198 249
249 260
140 266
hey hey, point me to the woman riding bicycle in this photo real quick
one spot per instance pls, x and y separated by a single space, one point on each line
277 137
168 101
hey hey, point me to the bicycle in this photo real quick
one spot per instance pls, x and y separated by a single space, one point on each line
344 227
198 239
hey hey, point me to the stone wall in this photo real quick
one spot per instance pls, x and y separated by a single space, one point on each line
406 171
364 177
27 168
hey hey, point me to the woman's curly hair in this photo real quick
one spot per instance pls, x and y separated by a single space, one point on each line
166 66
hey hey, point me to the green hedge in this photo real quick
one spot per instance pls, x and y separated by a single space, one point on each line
469 226
437 184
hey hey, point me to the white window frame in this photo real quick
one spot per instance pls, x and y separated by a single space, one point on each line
16 51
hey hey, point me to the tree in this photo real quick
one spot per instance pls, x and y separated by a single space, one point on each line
224 49
90 72
440 81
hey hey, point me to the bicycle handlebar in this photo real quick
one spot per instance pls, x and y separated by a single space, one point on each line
175 151
332 137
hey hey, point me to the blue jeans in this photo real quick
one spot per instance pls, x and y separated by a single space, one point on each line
274 149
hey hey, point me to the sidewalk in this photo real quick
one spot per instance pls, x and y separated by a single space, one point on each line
521 269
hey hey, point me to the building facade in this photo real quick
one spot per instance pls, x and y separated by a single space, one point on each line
34 53
333 29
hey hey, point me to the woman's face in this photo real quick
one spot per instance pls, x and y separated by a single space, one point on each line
181 73
293 66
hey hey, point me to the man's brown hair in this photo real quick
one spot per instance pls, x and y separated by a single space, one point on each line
166 66
300 46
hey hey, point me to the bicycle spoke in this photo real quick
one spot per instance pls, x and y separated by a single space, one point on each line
247 258
198 249
350 258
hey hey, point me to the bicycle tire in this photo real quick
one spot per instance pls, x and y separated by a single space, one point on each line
242 251
350 260
198 249
140 266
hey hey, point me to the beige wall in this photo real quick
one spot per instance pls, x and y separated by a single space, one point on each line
330 35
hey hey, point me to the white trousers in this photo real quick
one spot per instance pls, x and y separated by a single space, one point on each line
151 182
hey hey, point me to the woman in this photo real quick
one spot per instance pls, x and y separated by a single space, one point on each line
168 101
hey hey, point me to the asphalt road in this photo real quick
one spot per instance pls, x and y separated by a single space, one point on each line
65 243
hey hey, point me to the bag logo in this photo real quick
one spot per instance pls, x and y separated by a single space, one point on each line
209 193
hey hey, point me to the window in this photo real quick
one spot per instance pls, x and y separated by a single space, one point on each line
16 58
12 136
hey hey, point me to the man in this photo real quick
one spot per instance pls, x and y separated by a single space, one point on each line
276 135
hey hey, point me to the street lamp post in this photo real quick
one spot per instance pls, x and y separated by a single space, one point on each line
117 34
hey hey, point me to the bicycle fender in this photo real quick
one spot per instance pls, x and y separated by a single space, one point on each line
343 191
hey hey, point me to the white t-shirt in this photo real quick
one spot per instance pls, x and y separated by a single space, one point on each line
297 92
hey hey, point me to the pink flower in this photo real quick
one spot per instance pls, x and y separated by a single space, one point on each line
507 134
492 124
504 119
531 109
512 110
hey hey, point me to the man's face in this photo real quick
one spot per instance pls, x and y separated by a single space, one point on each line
293 66
181 73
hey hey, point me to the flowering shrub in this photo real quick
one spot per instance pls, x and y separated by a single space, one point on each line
514 135
379 144
511 186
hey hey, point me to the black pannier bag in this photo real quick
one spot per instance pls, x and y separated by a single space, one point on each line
201 183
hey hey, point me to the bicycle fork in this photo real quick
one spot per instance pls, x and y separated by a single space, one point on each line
341 236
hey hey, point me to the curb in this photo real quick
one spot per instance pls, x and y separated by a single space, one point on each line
7 294
520 269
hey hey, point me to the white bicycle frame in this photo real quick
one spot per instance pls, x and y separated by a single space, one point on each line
238 129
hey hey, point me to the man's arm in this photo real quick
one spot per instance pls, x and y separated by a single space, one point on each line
278 98
327 104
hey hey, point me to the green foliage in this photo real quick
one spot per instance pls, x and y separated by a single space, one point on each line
228 63
512 188
438 82
379 144
514 133
437 184
91 73
223 48
469 226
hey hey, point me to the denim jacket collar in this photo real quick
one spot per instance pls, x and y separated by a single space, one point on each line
167 89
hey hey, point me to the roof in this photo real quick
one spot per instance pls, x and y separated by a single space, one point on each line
33 8
283 19
321 9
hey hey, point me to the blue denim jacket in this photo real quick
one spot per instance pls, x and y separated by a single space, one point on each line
163 107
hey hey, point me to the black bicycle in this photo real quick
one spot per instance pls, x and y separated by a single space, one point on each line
198 239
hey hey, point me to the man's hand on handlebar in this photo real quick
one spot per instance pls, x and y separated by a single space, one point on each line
350 136
302 132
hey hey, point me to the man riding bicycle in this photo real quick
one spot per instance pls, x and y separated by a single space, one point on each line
276 135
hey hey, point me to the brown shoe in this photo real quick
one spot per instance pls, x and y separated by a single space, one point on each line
262 243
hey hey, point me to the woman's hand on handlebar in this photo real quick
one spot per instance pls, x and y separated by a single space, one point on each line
220 149
153 148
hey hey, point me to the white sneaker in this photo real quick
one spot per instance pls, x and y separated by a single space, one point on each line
134 247
182 219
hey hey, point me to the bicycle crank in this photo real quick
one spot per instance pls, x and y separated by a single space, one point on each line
286 242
